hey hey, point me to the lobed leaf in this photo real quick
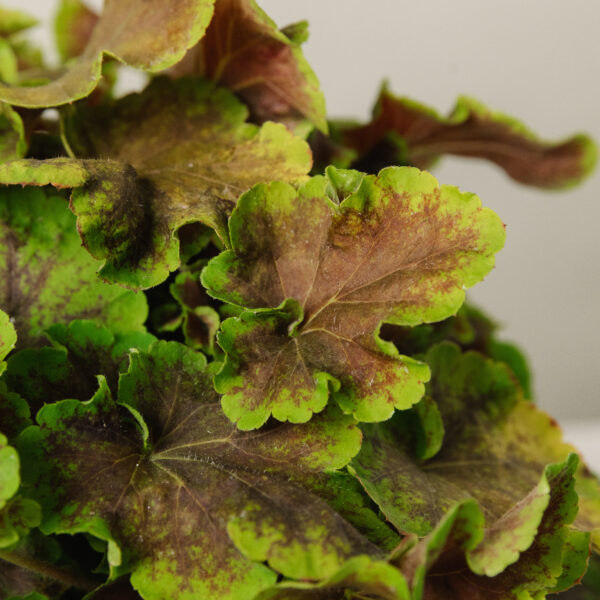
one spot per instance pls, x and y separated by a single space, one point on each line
48 277
405 132
130 206
150 35
495 447
244 51
169 482
398 249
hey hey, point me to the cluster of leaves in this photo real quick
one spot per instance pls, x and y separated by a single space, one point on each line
222 378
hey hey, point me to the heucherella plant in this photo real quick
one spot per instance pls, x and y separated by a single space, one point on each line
235 358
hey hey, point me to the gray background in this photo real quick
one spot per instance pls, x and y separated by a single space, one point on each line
537 60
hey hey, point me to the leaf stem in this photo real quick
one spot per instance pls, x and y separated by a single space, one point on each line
48 570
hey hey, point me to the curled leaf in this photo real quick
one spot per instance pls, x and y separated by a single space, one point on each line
398 249
244 51
186 502
150 35
444 565
405 132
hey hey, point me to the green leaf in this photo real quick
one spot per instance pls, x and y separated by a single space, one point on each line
400 249
12 134
157 180
495 447
345 495
69 369
361 575
575 557
74 24
165 477
405 132
14 412
8 338
9 471
590 585
244 51
17 514
48 277
14 21
471 329
127 30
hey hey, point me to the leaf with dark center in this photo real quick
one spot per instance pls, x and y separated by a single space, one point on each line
244 51
399 249
178 152
164 476
145 34
70 367
47 277
441 566
405 132
495 447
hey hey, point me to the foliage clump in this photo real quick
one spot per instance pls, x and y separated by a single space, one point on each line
236 361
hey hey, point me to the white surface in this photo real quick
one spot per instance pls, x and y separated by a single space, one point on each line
585 436
537 60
